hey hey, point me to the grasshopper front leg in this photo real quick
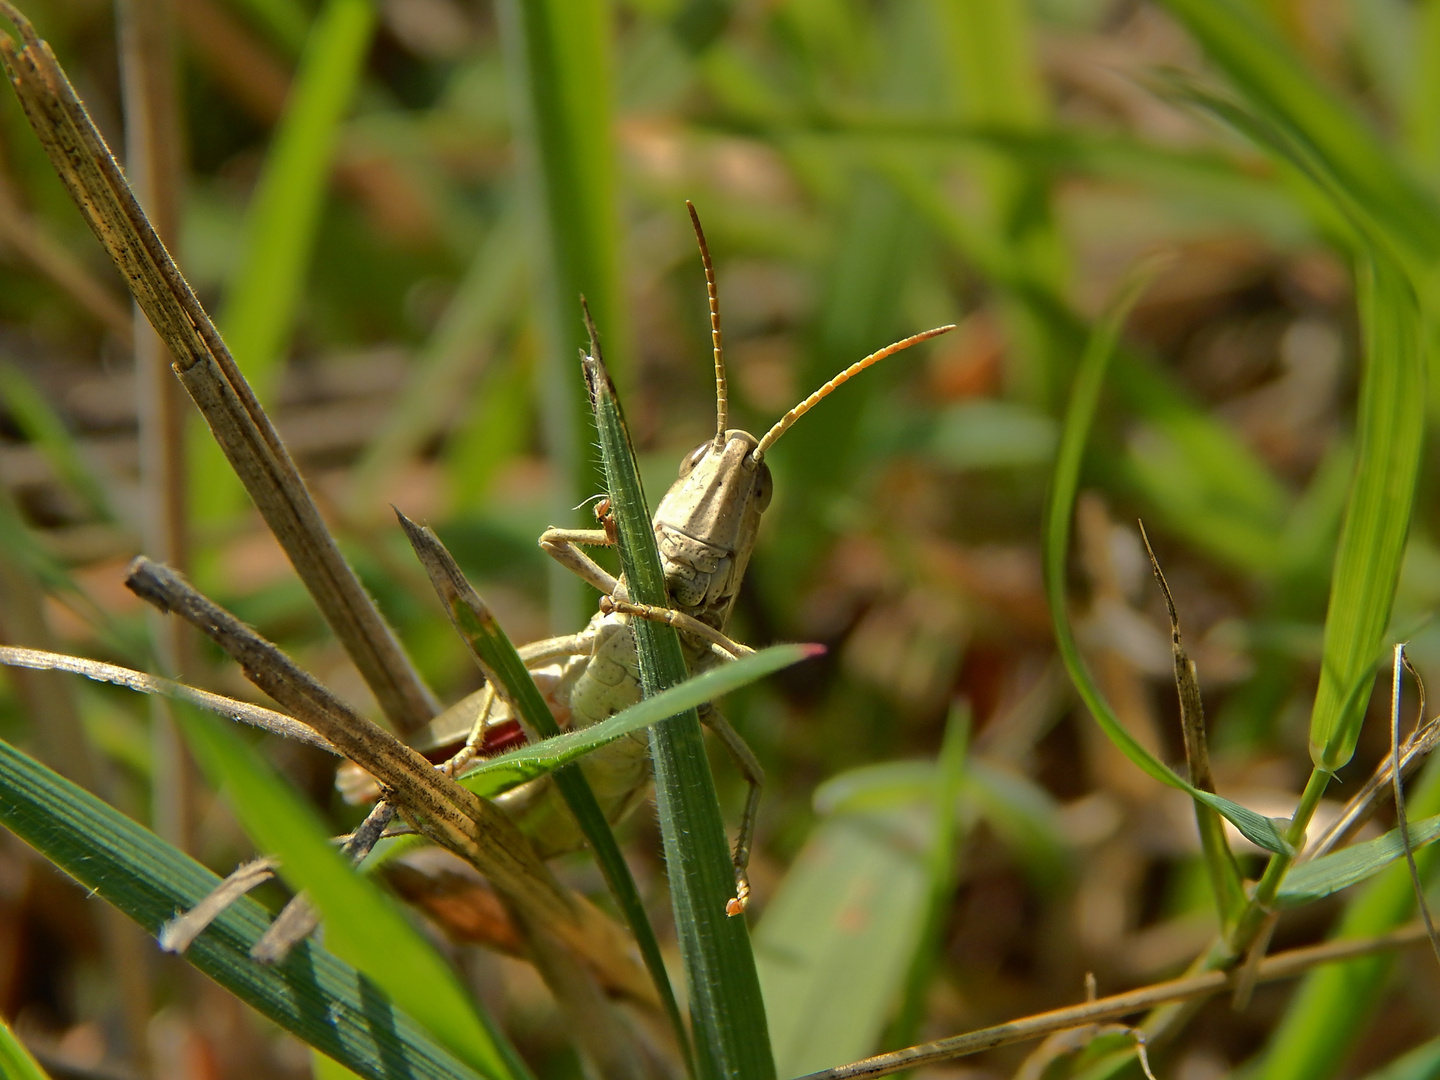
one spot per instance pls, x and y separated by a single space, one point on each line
563 545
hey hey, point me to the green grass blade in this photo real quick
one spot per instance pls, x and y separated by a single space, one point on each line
999 83
1422 120
528 762
1389 439
1084 399
484 300
314 995
1328 874
505 669
285 21
557 53
264 292
362 924
1328 1011
726 1009
942 873
43 427
835 940
16 1062
1278 84
284 215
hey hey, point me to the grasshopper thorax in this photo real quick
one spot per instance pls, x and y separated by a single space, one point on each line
705 525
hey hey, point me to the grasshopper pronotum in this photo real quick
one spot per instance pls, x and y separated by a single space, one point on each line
705 528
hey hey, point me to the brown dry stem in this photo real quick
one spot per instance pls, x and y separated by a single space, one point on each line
1284 965
438 807
209 373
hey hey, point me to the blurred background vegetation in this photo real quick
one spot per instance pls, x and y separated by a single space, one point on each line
391 210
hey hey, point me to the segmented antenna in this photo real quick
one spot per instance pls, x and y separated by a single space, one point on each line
722 390
787 421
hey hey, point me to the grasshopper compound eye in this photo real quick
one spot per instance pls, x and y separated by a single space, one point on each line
688 463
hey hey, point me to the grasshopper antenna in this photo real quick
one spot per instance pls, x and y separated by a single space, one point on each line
786 422
722 392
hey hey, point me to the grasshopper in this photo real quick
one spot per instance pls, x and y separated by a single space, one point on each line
705 527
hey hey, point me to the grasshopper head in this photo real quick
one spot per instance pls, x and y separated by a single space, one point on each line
705 525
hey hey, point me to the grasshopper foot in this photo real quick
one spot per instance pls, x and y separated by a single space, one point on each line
737 904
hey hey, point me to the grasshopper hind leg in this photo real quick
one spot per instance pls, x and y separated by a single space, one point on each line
754 775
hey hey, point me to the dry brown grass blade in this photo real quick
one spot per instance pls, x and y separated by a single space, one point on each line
255 715
1284 965
434 804
1187 685
209 373
180 933
298 918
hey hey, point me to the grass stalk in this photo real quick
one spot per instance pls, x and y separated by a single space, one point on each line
726 1009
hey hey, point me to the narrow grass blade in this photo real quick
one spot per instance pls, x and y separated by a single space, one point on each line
528 762
942 873
362 924
266 288
284 214
42 425
1225 879
484 301
506 671
1320 877
16 1062
557 55
246 713
1084 398
317 997
1422 119
725 1005
1390 435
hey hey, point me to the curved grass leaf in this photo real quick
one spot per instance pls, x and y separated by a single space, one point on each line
1277 84
528 762
731 1035
1391 431
1084 398
1340 869
317 997
362 923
